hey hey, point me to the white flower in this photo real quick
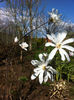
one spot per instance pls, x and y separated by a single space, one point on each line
42 70
54 16
15 39
24 45
60 44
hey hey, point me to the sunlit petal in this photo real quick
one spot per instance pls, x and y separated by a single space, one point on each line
35 62
53 70
41 77
41 57
68 41
61 36
50 38
66 54
33 77
52 54
37 69
62 55
68 47
49 75
49 44
46 78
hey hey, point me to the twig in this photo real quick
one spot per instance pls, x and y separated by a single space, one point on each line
33 30
27 34
53 93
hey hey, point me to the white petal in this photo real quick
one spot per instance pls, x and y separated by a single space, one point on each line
62 55
49 44
65 53
41 57
68 47
53 35
68 41
37 69
35 62
53 9
45 54
20 45
49 75
15 39
52 54
47 62
24 49
41 77
50 38
37 73
52 70
25 44
33 77
46 78
71 53
61 36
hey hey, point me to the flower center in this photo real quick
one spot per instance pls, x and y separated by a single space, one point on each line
44 67
58 45
51 20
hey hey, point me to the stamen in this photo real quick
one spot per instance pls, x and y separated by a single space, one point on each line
44 67
58 45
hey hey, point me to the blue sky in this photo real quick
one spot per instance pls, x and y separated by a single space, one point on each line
65 7
2 4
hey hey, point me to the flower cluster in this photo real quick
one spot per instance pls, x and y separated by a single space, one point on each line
42 68
58 42
23 45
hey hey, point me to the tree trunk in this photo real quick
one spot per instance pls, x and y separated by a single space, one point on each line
31 34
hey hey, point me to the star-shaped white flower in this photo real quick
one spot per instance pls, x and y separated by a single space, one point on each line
43 71
60 44
24 45
54 16
15 39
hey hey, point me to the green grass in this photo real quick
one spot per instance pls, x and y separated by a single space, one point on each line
23 78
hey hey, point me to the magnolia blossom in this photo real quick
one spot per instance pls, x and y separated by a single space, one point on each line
43 71
15 39
54 16
24 45
60 44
